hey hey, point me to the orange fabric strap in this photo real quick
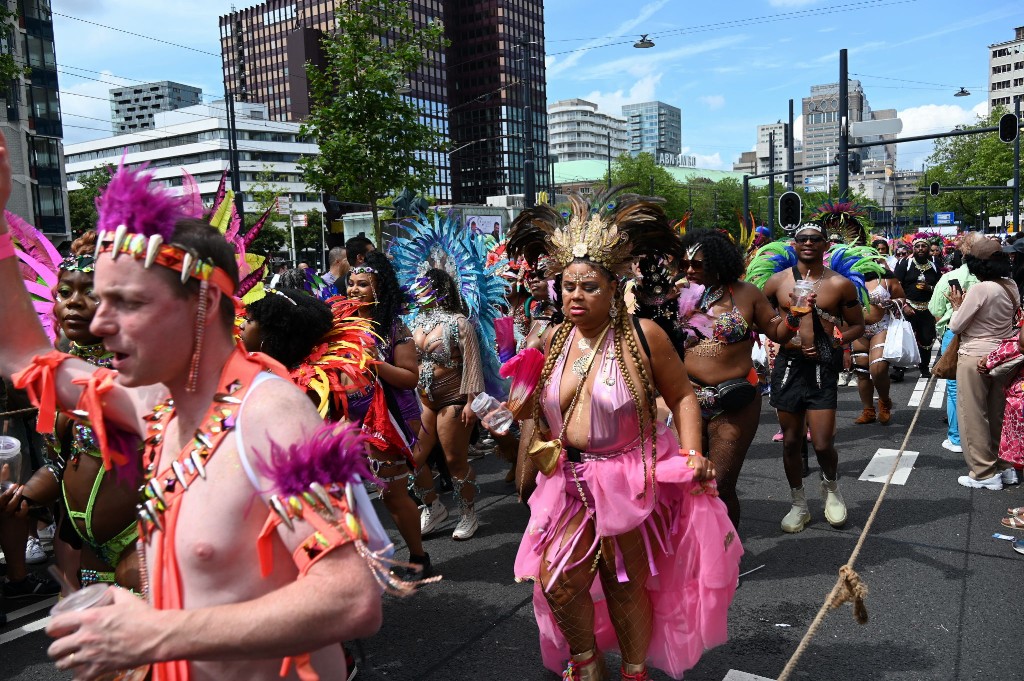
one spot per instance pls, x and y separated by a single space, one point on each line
165 578
98 384
327 536
39 380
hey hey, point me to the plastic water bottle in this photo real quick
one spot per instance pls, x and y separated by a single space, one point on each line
495 417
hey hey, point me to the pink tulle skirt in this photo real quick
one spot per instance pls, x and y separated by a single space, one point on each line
692 548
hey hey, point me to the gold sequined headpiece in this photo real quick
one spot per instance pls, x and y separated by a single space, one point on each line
611 232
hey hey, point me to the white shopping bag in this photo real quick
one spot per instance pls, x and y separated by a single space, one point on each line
758 352
900 345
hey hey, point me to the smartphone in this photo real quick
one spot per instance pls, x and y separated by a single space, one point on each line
955 283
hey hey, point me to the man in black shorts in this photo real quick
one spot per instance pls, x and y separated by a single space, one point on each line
804 380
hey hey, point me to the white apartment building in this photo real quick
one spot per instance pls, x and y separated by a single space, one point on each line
195 139
578 131
1006 72
767 136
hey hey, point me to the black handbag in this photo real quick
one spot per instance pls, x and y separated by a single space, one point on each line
735 393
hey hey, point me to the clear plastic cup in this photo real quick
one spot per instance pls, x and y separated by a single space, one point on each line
801 292
10 454
494 417
97 596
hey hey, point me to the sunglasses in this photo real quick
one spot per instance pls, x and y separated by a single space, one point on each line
696 265
808 239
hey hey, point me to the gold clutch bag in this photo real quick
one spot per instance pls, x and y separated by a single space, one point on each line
544 454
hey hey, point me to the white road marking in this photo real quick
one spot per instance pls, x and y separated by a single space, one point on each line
735 675
918 394
35 607
881 463
24 630
938 394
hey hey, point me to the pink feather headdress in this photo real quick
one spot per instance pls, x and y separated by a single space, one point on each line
137 217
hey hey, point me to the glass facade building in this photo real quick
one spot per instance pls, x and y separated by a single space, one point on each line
471 94
654 128
32 124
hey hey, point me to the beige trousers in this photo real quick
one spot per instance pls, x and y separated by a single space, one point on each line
979 409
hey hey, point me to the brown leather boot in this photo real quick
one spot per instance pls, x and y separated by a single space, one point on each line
866 416
884 410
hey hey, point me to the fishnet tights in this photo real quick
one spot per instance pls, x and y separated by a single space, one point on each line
629 604
729 437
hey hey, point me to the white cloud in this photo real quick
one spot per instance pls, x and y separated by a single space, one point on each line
708 161
929 119
713 102
645 13
611 102
798 122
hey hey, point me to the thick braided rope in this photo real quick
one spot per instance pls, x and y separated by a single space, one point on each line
848 586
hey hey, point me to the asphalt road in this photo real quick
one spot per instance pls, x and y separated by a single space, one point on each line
943 602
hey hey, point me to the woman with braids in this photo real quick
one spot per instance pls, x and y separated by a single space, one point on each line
387 407
450 376
99 511
724 323
618 500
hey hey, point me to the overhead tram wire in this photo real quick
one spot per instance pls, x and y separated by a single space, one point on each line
768 18
138 35
704 28
739 23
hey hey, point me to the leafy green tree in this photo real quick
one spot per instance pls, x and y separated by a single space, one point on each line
637 171
980 160
82 202
370 138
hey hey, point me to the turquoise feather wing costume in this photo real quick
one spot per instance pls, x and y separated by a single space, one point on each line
852 262
441 242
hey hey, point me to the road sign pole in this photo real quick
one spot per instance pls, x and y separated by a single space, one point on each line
1016 169
771 180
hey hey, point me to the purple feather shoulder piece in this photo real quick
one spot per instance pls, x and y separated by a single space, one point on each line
334 455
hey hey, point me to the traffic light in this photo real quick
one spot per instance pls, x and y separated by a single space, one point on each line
933 189
790 210
853 162
1008 125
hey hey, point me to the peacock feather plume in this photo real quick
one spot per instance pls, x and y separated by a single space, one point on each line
769 259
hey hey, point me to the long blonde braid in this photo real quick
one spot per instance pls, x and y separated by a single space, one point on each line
557 343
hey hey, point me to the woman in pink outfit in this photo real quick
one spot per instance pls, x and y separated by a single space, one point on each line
628 545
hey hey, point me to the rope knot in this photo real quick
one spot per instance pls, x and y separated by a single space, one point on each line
851 589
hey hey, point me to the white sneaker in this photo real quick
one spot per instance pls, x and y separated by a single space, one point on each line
1010 476
432 516
948 444
994 482
34 554
467 527
46 535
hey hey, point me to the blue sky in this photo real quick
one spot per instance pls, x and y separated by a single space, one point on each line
729 65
